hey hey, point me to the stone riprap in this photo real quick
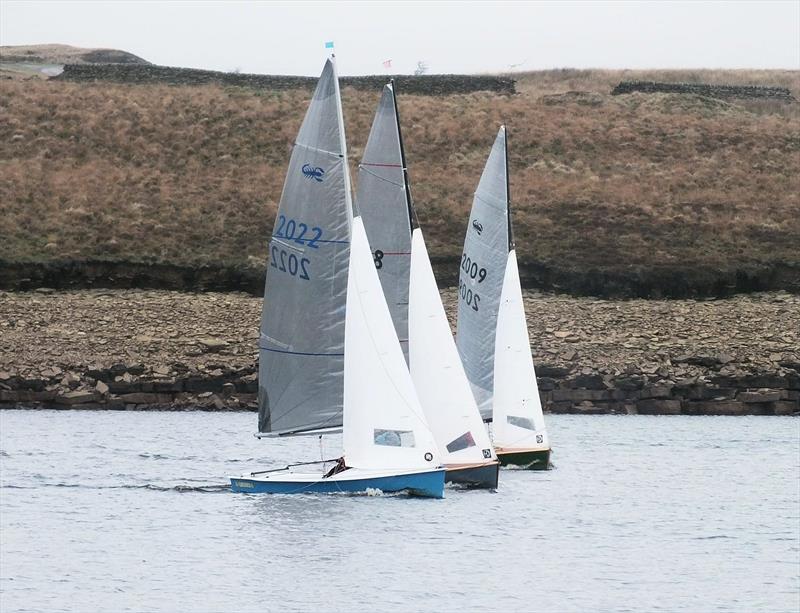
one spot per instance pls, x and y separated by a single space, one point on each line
130 349
429 85
704 89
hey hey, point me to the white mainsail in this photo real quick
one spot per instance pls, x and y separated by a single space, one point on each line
384 423
437 371
301 361
492 333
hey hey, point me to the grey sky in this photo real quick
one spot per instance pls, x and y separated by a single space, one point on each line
288 37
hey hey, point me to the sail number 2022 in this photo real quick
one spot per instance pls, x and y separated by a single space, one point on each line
286 261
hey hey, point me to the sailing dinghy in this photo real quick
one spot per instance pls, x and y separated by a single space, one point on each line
492 333
330 359
405 271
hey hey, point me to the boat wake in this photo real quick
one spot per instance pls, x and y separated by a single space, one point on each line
181 488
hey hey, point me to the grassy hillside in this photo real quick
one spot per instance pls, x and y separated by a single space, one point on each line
192 175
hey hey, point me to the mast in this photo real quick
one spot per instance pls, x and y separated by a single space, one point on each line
343 142
413 222
508 190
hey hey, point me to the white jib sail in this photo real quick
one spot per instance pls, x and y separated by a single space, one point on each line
518 422
384 424
437 371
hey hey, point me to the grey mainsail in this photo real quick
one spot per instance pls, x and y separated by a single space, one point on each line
483 264
301 356
384 203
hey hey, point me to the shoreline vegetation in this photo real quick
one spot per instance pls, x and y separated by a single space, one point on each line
165 350
635 195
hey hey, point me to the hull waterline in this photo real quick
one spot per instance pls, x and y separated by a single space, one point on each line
530 459
428 484
482 476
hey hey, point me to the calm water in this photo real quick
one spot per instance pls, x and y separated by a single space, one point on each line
122 511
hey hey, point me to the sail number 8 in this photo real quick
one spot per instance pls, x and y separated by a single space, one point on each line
472 268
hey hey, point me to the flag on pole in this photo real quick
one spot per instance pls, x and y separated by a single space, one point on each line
387 63
329 44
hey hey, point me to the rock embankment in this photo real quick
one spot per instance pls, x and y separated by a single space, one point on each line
704 89
426 85
129 349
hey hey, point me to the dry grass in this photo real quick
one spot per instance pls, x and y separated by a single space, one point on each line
193 174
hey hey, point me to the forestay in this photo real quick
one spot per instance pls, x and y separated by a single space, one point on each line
385 426
483 264
303 319
437 371
385 205
518 421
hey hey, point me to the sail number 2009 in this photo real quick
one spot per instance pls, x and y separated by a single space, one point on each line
467 295
472 268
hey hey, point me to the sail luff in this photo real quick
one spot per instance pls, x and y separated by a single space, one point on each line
348 190
508 190
412 214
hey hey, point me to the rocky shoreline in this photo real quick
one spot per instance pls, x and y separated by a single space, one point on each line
166 350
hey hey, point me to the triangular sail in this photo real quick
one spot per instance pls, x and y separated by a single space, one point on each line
480 283
437 371
384 424
518 421
301 357
384 203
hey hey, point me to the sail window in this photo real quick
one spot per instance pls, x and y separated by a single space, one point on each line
462 442
521 422
394 438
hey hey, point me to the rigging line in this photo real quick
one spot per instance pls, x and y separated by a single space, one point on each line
381 165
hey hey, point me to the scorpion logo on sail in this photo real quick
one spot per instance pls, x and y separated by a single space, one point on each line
313 172
477 226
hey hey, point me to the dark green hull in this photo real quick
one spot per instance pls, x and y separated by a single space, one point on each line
531 460
483 477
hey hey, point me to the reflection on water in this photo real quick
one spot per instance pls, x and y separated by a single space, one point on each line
131 511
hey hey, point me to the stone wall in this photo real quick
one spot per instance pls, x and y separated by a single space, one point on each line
702 89
720 395
176 387
431 85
